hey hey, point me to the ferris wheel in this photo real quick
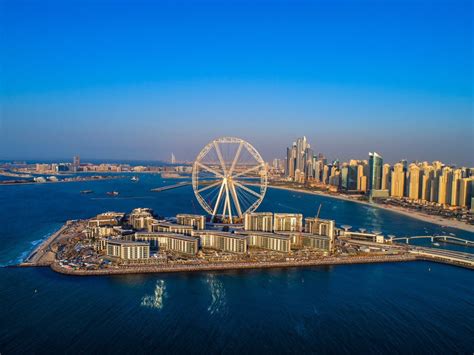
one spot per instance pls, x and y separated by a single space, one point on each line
229 178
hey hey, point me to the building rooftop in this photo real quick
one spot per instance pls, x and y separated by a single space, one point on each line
170 224
126 242
220 233
167 235
266 234
288 215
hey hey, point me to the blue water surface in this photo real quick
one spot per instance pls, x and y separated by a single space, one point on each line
415 307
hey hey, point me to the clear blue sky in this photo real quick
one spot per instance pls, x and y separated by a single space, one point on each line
142 79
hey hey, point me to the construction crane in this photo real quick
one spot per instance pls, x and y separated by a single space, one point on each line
319 210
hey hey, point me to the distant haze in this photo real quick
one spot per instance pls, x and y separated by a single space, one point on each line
140 80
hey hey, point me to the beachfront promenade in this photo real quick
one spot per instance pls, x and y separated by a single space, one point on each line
228 266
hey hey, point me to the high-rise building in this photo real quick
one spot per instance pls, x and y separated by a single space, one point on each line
345 177
300 158
326 173
445 186
362 178
375 171
301 145
466 191
414 182
289 222
258 221
386 176
291 161
173 159
426 180
398 181
456 184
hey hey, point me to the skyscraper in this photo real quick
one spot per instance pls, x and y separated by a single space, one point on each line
301 145
362 176
456 184
291 161
466 191
414 177
386 176
445 186
375 171
398 180
426 180
300 160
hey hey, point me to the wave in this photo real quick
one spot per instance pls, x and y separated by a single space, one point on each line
218 296
156 299
24 254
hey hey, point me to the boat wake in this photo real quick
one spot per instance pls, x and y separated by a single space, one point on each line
155 300
218 296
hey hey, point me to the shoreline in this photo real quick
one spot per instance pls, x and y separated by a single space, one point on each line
413 214
139 269
57 182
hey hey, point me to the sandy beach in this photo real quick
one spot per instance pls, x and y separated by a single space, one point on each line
409 213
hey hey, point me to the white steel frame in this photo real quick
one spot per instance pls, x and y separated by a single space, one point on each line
228 180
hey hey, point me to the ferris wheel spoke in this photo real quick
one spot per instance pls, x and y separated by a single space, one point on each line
227 202
221 159
218 200
236 158
246 200
246 171
235 198
210 186
211 170
248 190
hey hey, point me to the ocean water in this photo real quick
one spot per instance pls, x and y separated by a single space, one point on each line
415 307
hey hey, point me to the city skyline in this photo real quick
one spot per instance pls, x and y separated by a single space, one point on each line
180 75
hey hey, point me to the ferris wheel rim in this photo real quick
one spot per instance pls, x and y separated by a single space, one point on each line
229 180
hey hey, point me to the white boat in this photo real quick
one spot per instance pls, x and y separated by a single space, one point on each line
436 244
135 178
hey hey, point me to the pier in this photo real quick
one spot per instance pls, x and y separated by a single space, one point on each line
445 256
170 187
443 238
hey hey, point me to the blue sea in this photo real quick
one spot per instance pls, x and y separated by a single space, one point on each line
415 307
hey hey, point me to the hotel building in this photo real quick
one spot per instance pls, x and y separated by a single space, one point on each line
193 220
228 242
269 241
168 227
169 241
106 219
258 221
141 218
288 222
322 227
313 241
128 250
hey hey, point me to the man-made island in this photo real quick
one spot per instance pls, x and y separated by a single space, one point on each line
140 242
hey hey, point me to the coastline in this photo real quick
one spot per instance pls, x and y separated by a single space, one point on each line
413 214
57 182
140 269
